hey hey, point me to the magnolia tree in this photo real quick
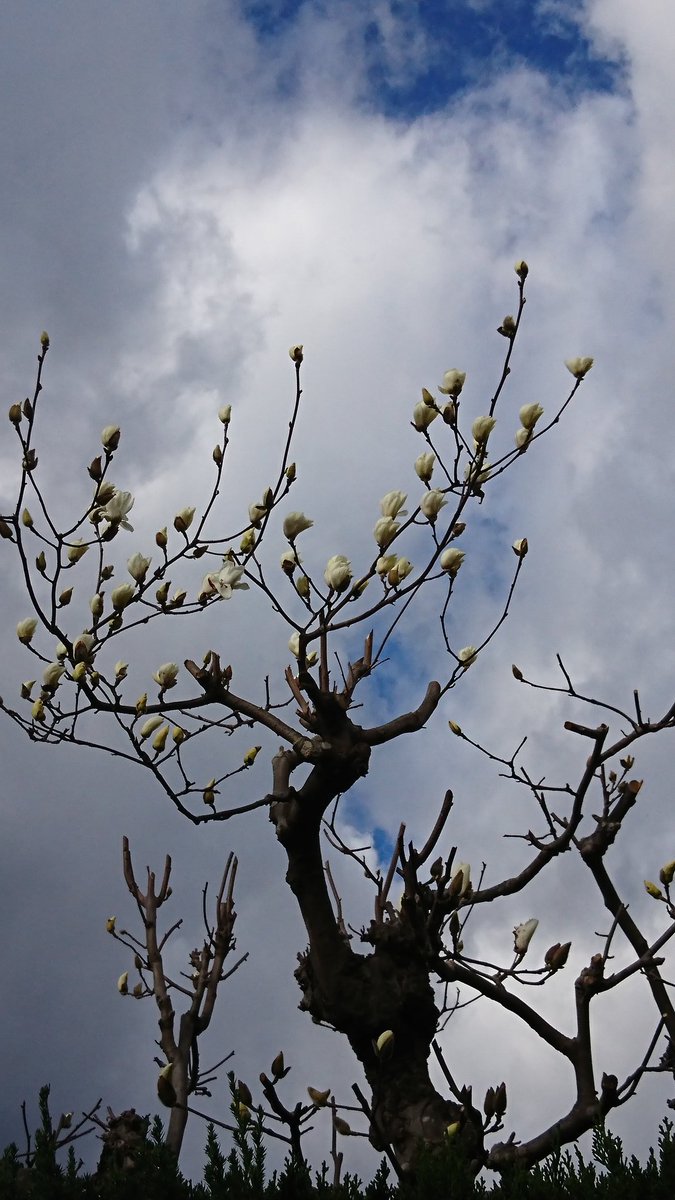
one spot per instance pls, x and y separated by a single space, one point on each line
384 988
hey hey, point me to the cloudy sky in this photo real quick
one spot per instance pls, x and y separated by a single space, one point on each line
187 190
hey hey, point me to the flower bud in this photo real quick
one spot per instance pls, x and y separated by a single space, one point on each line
44 340
137 566
65 597
385 563
82 648
247 542
51 675
159 740
482 428
26 519
453 1129
141 704
278 1070
302 586
653 890
15 414
110 437
556 956
508 327
452 559
341 1126
183 520
462 874
166 1092
121 596
123 984
110 924
179 735
37 711
291 472
424 465
384 1046
161 538
96 604
517 673
251 755
76 551
225 414
667 873
79 671
529 415
296 354
521 268
456 729
41 562
317 1097
150 725
162 592
520 548
385 531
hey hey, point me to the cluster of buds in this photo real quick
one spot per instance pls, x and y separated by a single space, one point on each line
494 1104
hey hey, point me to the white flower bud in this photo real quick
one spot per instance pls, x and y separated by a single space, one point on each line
522 437
96 604
247 542
76 551
82 648
225 414
452 559
529 415
520 547
482 428
521 269
463 869
294 647
52 674
121 596
110 437
384 564
150 726
25 629
424 465
296 354
183 520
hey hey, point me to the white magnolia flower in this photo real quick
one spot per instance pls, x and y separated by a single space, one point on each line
25 629
118 507
423 415
522 935
137 566
579 366
467 656
392 504
452 559
529 415
52 674
294 647
121 596
338 572
385 563
424 465
294 524
385 531
166 675
227 580
482 428
453 382
431 504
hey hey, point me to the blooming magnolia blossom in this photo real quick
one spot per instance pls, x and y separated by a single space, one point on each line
424 465
294 647
467 656
529 415
117 509
423 415
166 675
137 566
25 629
392 504
452 559
431 504
385 563
453 382
228 580
463 869
294 524
482 428
338 572
52 674
385 531
522 935
121 596
579 367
